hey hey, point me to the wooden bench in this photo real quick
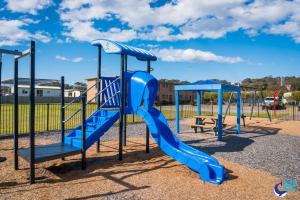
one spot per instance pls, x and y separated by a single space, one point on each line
206 121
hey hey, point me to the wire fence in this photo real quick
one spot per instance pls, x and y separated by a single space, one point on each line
48 115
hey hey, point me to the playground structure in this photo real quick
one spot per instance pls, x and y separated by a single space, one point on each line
254 100
210 86
2 159
130 93
17 56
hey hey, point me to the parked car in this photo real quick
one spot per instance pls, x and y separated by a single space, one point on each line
269 103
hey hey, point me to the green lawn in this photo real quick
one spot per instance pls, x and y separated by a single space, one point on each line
48 116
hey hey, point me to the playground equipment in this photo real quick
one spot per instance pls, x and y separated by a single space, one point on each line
210 86
17 56
114 101
254 100
2 159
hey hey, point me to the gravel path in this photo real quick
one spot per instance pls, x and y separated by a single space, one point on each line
278 154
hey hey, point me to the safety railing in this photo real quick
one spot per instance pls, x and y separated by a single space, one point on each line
107 100
76 99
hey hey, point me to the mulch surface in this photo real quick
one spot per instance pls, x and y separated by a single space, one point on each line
138 176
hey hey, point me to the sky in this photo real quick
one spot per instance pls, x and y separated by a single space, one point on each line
193 40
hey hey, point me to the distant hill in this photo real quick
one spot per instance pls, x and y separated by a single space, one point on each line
270 83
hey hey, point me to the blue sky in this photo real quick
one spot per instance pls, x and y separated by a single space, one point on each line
225 39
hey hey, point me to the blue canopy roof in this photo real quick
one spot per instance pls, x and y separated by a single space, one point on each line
206 82
113 47
207 85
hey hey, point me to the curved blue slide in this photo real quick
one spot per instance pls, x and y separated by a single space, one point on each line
145 88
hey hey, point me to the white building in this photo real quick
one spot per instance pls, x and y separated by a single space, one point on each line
43 88
72 93
40 91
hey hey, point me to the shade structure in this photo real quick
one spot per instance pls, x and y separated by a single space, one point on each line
113 47
209 86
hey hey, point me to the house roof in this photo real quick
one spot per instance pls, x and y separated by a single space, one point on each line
95 78
26 81
113 47
208 86
40 87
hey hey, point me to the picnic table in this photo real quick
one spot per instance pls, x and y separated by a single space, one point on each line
206 121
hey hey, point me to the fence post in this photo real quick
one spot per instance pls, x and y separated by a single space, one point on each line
182 115
294 110
47 116
258 109
212 107
83 129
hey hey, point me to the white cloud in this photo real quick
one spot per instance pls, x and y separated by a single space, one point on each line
42 36
13 32
90 33
27 6
192 55
177 20
289 28
74 60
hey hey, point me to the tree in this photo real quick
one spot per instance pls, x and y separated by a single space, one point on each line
296 96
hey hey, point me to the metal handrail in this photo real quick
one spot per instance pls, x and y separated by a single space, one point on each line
77 111
109 99
84 92
103 90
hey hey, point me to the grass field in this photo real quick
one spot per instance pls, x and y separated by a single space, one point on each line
48 116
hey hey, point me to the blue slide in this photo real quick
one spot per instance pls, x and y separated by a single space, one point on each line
145 87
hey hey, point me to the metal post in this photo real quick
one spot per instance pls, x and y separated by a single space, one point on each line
238 112
83 129
258 109
16 115
212 106
220 118
228 107
62 108
125 99
267 109
147 129
199 102
253 104
99 87
294 110
32 111
177 111
1 158
0 87
121 108
48 117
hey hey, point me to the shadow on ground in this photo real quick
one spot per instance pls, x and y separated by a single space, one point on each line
231 141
